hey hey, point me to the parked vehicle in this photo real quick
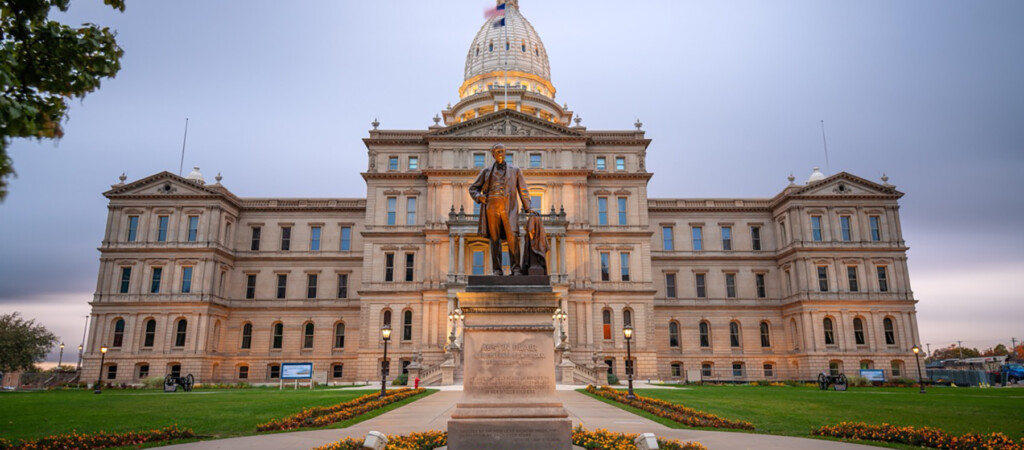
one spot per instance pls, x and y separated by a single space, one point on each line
1014 372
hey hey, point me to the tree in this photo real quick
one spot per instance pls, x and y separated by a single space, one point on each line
998 350
43 64
23 342
953 352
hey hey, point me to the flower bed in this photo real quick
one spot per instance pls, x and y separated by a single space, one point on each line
676 413
326 415
591 440
919 437
102 439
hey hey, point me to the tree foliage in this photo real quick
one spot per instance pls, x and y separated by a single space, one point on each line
43 64
23 342
954 352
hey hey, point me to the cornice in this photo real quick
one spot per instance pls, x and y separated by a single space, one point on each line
620 175
394 175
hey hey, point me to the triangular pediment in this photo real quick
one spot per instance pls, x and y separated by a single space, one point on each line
845 184
163 184
506 123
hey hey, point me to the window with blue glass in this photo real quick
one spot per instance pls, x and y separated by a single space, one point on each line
622 210
698 238
314 240
620 163
726 238
478 160
126 279
605 269
410 211
393 163
478 262
414 163
624 265
392 209
601 164
535 202
535 160
844 225
816 228
161 232
193 228
133 228
602 211
876 230
667 243
186 279
346 239
154 285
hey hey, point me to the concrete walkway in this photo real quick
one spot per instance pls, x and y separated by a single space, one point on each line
433 412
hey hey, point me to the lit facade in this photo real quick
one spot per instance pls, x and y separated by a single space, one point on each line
196 279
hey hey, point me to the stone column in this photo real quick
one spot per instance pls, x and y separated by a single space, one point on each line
561 256
462 256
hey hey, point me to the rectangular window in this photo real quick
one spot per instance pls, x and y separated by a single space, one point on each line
410 266
133 228
393 163
602 210
666 239
700 282
282 285
154 284
622 210
338 370
193 228
730 285
186 279
112 372
410 211
883 279
601 165
670 285
895 368
389 267
816 228
737 370
844 225
823 278
243 372
876 230
624 261
478 160
314 239
414 163
255 245
126 279
620 163
476 208
478 263
605 266
275 372
698 239
759 281
342 285
161 232
726 238
346 239
534 160
535 202
286 238
250 286
392 209
851 277
769 371
755 238
705 370
311 281
143 371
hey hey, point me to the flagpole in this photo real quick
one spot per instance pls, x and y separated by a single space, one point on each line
508 48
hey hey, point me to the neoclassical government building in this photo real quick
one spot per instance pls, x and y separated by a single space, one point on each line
196 279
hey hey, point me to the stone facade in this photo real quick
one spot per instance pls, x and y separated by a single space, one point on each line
196 279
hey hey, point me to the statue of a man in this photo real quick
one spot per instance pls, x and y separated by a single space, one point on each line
499 189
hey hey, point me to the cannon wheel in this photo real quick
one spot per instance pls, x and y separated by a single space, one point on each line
842 379
168 380
187 382
822 381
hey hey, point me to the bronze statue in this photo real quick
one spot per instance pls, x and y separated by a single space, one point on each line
499 189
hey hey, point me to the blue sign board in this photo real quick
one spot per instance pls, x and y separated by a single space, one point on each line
873 374
296 371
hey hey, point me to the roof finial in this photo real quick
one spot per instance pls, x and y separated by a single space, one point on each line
375 123
791 179
218 178
638 123
122 177
885 179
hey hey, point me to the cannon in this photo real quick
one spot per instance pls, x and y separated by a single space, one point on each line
838 382
172 382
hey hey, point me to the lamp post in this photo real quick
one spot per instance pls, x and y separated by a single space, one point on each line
455 316
385 332
78 365
560 317
61 358
627 332
917 356
99 378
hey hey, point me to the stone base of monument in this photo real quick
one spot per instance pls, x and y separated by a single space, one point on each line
509 389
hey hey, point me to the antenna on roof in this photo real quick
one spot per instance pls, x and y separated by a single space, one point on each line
823 141
181 165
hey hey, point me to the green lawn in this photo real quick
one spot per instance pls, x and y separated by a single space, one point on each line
209 413
796 411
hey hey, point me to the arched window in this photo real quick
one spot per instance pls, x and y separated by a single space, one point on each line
150 335
734 334
706 369
627 317
247 336
407 325
490 46
830 335
606 323
307 336
705 335
673 334
766 336
179 338
387 318
278 336
339 335
118 333
858 331
890 331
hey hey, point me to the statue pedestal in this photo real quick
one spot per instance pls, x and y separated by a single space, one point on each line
508 399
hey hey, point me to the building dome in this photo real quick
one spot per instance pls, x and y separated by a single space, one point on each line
816 175
515 47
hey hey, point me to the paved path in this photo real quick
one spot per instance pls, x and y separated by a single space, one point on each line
433 412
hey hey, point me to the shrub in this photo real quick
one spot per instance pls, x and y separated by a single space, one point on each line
401 380
99 440
919 437
677 413
612 379
153 382
598 439
326 415
858 381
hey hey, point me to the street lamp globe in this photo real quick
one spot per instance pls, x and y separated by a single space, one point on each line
385 332
916 349
627 332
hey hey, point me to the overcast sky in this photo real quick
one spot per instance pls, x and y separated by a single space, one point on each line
279 94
